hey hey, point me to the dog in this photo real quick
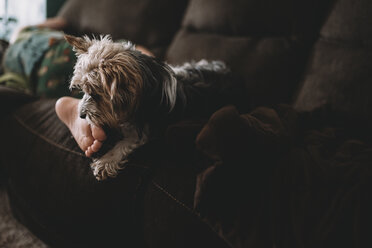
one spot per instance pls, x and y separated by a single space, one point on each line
129 94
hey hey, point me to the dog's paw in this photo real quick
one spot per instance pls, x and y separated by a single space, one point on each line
100 175
104 169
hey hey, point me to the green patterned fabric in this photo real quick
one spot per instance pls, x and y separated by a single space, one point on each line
55 71
39 62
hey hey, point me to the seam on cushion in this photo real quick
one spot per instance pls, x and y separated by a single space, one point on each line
45 138
58 145
192 212
346 43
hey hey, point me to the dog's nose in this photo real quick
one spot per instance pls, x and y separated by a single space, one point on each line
83 115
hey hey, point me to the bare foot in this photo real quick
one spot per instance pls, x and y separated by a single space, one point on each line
89 138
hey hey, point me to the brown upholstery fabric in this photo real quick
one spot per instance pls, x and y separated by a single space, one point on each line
53 191
265 64
10 99
243 18
339 70
262 41
146 22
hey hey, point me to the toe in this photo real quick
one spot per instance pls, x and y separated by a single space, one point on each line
89 152
96 146
86 142
98 133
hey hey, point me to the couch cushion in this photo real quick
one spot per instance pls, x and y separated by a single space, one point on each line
265 64
10 99
52 189
149 23
259 40
239 17
338 73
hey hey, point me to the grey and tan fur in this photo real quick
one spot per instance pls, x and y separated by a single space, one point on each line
128 92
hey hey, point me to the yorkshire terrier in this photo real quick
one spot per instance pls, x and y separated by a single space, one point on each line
128 93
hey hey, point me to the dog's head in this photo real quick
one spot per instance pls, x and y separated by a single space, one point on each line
120 84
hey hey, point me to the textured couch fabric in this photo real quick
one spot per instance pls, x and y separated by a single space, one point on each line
265 42
146 22
55 194
272 176
339 72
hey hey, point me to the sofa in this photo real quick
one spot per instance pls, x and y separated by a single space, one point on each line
289 168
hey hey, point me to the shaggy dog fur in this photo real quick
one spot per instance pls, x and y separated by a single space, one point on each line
128 93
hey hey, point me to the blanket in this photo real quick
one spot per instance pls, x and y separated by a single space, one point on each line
39 62
288 179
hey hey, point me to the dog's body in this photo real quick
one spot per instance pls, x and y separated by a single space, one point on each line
129 93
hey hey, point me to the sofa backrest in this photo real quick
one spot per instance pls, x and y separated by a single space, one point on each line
265 41
151 23
339 72
311 51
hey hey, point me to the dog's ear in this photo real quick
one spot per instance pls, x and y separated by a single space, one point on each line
121 81
79 44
